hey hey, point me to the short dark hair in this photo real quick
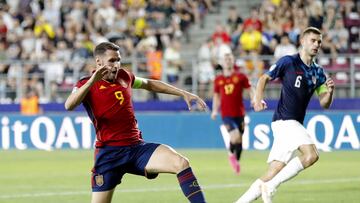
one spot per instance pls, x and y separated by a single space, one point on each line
101 48
309 30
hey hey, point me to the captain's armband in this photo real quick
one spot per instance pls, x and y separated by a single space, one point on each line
321 89
138 82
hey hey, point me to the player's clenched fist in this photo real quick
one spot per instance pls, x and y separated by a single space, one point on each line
99 73
259 105
330 85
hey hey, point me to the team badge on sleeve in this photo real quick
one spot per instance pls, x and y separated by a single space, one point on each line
272 67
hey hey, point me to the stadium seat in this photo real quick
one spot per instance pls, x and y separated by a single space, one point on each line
357 77
357 62
340 63
325 62
341 77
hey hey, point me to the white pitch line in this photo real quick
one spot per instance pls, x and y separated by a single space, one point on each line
206 187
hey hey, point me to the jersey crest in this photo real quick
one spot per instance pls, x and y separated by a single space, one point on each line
313 78
235 79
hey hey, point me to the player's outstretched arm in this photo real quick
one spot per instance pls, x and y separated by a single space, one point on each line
77 96
326 97
162 87
259 103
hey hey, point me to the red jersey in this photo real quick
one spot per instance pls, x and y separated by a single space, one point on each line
110 108
230 90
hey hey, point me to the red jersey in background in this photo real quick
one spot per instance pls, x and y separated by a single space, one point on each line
230 90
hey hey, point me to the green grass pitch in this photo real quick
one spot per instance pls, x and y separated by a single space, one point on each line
63 176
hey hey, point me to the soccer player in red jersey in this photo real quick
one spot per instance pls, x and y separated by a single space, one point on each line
120 149
228 95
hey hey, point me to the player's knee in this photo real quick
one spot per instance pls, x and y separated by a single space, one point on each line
181 163
310 159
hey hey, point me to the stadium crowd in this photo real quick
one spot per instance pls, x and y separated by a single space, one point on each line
51 41
273 29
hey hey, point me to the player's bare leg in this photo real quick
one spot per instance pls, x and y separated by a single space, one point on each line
166 160
309 155
102 197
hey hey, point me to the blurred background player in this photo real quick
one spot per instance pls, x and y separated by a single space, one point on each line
300 77
120 149
228 95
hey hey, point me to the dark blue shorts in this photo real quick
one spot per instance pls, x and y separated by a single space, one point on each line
111 163
232 123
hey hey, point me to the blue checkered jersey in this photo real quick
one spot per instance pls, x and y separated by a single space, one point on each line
299 82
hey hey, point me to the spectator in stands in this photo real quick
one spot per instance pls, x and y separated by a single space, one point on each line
3 30
3 55
339 36
250 39
300 23
28 42
235 25
173 61
154 59
254 20
328 47
316 17
329 18
184 16
284 48
106 14
42 26
253 66
12 80
205 73
221 32
29 104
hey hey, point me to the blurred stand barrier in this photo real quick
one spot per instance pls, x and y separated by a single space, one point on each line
54 80
335 130
179 105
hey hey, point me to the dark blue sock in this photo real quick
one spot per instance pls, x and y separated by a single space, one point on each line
190 186
238 150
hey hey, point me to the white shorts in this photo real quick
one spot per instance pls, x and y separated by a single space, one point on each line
289 135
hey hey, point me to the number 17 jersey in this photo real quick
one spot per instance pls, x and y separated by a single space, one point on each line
110 108
230 90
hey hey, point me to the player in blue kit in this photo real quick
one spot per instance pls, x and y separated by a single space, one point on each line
300 77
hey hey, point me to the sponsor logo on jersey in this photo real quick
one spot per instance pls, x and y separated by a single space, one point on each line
102 87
